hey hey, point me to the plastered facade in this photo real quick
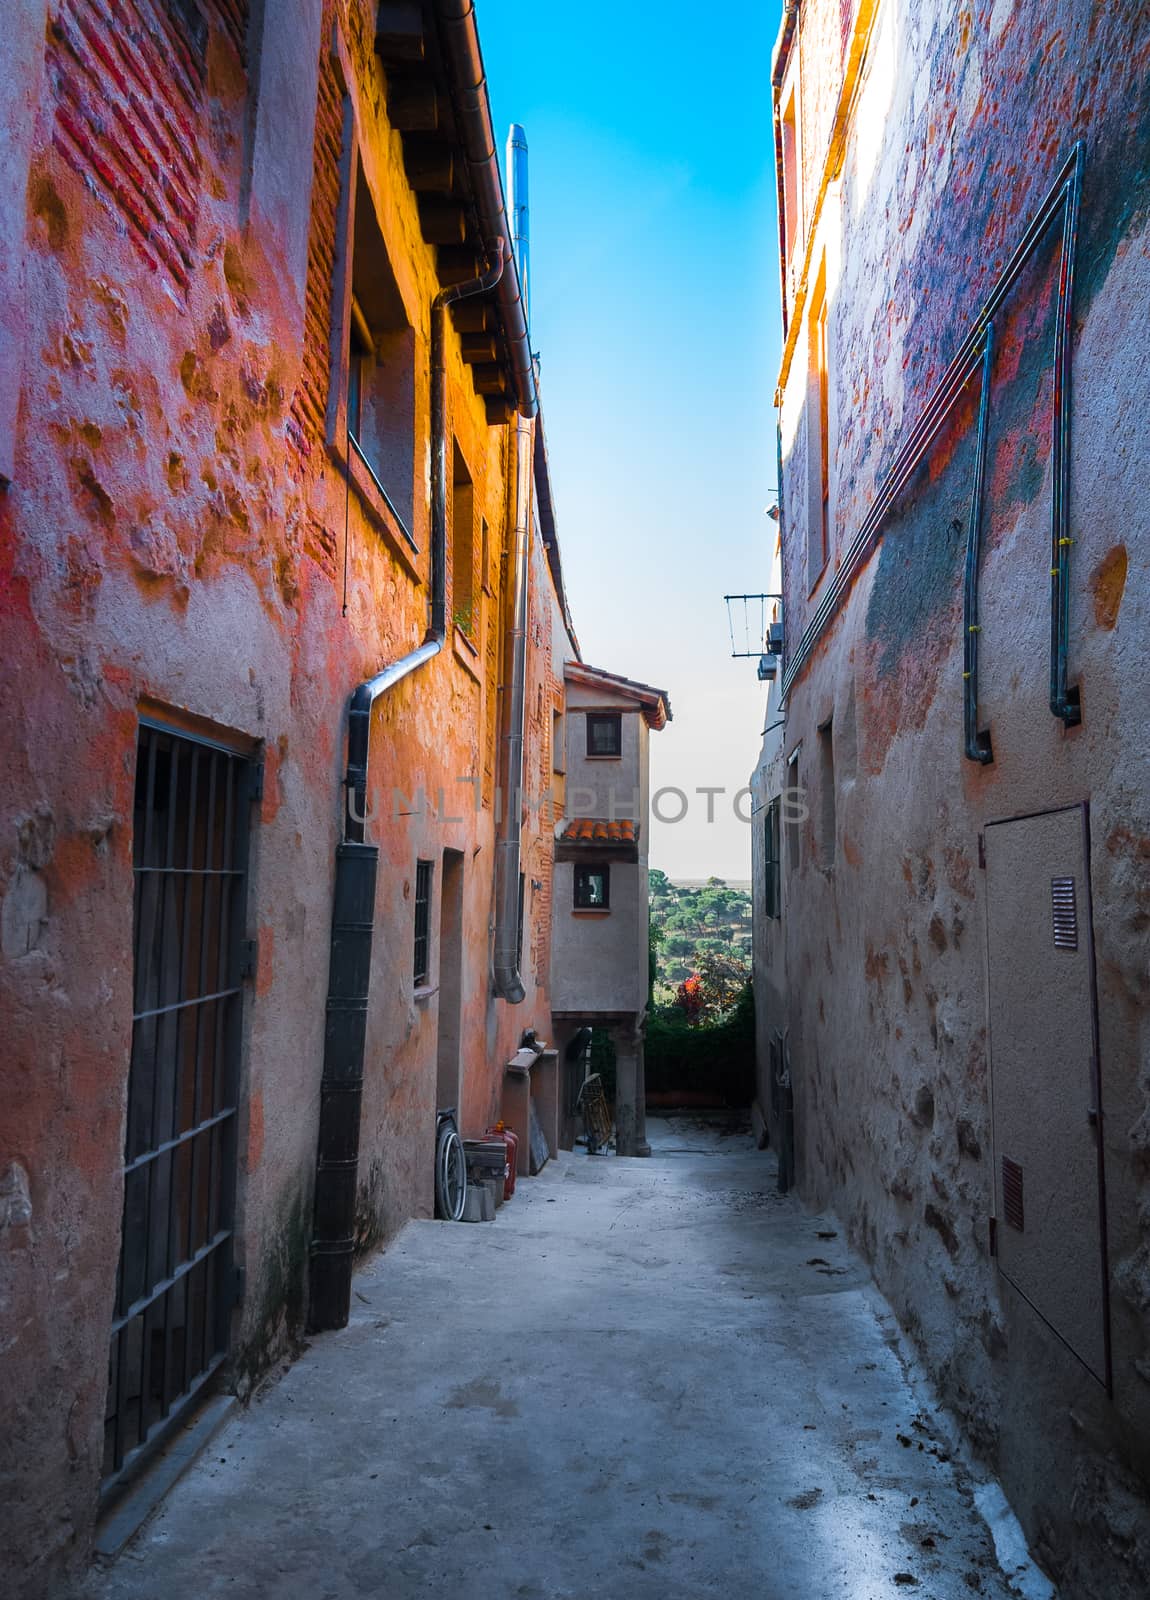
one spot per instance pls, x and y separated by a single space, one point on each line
951 124
179 537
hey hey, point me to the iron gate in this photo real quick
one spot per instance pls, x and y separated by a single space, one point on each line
174 1290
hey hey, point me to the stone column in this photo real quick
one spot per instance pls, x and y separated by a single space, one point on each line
515 1108
628 1060
642 1148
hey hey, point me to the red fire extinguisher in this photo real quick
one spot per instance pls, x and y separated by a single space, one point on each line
499 1130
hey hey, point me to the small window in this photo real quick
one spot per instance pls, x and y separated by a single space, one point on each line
796 814
422 923
826 813
380 363
604 733
771 862
485 555
558 752
360 359
519 930
463 606
592 888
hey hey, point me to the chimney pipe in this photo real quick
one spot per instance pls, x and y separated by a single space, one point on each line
518 206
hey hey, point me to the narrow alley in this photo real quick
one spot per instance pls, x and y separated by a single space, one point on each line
573 615
652 1378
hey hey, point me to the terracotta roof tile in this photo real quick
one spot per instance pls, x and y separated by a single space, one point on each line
593 830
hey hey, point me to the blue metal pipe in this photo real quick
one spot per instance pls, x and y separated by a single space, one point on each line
978 745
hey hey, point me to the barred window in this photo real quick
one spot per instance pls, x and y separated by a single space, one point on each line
604 733
422 922
771 861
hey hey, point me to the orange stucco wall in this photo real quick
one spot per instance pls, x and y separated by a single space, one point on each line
177 536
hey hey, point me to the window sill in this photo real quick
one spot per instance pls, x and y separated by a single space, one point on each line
605 758
466 652
591 911
376 504
423 992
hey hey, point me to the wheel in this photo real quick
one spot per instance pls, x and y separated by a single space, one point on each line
450 1173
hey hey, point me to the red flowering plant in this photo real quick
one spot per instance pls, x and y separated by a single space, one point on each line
690 999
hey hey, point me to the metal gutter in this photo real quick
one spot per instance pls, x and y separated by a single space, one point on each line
463 60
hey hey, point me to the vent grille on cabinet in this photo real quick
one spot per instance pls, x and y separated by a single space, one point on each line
1012 1208
1065 906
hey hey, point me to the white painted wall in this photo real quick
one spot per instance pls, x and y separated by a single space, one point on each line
595 957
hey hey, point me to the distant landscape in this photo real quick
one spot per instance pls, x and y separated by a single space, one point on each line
692 919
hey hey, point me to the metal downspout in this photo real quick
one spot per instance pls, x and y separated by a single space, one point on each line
508 982
353 910
976 742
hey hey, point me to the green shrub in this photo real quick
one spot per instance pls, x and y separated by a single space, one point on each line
715 1058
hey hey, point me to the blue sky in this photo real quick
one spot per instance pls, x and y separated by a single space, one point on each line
655 312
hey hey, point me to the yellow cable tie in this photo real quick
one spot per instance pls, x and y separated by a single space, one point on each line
1055 573
1065 541
975 627
966 675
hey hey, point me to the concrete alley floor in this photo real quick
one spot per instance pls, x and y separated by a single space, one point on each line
645 1378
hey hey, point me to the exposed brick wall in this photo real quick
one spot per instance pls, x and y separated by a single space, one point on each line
309 405
127 78
233 19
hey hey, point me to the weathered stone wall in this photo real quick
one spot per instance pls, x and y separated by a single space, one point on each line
963 117
177 537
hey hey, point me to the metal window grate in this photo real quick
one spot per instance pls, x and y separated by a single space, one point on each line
422 921
1064 904
1012 1204
172 1293
771 861
604 733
